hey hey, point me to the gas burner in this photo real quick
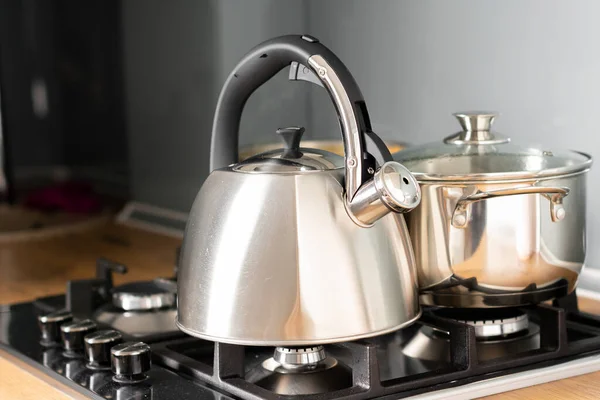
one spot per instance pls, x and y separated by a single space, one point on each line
301 371
294 358
498 333
144 310
141 308
488 322
143 296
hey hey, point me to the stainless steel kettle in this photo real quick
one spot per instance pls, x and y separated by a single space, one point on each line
298 246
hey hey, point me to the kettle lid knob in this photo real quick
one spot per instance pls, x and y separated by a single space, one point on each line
291 137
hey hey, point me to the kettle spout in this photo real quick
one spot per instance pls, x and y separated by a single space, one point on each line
392 189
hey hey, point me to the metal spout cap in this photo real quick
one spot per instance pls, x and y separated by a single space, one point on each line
392 189
398 188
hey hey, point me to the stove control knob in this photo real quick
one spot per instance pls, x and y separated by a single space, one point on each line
130 361
97 347
50 326
73 334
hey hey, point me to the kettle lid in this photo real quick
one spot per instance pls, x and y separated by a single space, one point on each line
291 158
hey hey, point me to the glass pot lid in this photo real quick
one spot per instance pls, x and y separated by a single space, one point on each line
291 158
478 153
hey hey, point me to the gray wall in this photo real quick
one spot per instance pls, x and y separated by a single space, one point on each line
536 62
177 56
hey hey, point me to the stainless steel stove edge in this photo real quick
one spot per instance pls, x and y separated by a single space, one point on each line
589 281
515 381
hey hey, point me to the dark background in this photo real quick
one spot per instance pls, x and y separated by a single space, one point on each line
73 49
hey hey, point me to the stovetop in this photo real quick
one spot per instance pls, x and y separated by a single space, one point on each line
470 349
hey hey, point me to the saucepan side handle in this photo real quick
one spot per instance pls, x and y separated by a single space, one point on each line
554 194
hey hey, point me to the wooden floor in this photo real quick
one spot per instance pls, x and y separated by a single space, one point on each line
36 268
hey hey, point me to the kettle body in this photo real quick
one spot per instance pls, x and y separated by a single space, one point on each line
298 246
266 273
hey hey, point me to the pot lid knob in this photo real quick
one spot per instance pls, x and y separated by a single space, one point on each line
476 121
291 137
476 127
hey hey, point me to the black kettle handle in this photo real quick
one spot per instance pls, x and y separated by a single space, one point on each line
262 63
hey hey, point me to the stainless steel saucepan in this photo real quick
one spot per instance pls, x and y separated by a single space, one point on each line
499 224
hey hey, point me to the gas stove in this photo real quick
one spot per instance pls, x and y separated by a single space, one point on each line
121 342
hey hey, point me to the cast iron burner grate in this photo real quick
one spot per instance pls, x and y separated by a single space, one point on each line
488 323
499 332
565 333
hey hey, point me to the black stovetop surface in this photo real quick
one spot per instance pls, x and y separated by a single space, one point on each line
188 368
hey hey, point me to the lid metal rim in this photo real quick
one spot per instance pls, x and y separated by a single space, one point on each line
310 158
504 176
496 138
297 172
314 143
